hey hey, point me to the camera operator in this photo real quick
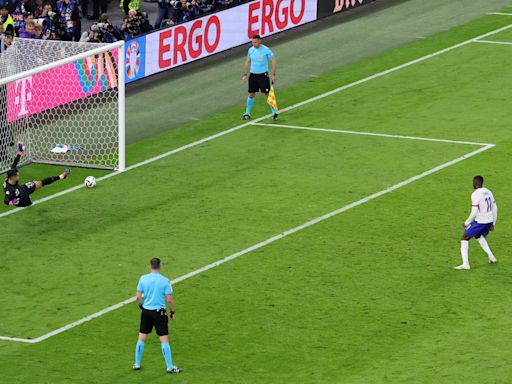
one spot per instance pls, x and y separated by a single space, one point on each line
49 20
102 32
69 18
135 24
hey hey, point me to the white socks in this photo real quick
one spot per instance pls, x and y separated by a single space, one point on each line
464 250
483 243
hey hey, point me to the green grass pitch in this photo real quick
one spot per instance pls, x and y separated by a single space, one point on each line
367 296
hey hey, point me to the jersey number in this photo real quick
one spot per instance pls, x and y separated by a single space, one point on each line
488 201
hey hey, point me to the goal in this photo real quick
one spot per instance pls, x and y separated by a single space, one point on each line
64 101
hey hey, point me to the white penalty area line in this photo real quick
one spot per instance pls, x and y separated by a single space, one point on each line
374 134
262 244
493 42
291 107
499 13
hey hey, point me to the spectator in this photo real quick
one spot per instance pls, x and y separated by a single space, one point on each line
37 8
20 13
28 31
6 20
69 18
38 30
6 41
165 12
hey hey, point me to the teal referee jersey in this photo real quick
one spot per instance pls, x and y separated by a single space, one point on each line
259 58
154 287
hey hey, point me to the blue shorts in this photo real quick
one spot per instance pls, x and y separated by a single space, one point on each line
476 230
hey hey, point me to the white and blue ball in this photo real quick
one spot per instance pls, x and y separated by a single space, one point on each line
90 181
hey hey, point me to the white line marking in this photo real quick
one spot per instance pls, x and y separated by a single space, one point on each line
261 244
372 134
500 13
493 42
234 129
286 233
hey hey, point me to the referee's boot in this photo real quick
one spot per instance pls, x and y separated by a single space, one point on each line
246 117
275 116
174 370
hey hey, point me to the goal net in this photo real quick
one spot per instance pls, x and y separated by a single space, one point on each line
64 101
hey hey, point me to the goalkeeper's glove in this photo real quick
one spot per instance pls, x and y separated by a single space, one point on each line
140 306
21 148
171 314
14 202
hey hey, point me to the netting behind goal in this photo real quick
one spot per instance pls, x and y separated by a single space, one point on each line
64 101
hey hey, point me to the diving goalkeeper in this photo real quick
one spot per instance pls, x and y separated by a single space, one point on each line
19 195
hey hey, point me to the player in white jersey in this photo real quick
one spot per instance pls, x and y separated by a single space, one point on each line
481 220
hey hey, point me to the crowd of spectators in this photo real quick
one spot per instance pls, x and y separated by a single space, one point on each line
62 19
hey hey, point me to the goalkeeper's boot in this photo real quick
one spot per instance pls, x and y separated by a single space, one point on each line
246 117
136 367
65 174
275 116
174 370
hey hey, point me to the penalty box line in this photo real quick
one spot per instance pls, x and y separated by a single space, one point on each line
291 107
362 133
483 147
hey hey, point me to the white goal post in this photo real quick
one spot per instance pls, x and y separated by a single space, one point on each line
65 101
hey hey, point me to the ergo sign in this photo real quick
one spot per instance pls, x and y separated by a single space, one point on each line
215 33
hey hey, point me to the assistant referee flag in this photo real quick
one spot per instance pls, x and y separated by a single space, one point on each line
271 99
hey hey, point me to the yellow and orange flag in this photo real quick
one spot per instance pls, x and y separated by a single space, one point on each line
271 99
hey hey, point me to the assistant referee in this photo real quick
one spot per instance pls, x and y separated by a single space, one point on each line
257 60
153 291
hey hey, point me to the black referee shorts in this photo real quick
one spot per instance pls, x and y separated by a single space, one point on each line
157 319
259 82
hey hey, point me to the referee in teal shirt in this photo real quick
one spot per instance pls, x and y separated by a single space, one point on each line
257 60
153 291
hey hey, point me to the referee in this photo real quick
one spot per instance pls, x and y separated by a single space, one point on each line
257 60
156 290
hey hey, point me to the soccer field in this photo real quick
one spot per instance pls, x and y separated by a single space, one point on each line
335 230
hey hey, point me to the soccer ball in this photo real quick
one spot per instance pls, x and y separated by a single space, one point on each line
90 182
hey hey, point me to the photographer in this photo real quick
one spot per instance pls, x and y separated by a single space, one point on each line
102 32
135 24
49 20
69 18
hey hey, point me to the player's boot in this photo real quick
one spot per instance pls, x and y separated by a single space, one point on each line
275 116
462 266
65 174
174 370
492 260
136 367
246 117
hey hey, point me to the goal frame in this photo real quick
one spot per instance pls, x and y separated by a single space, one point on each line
119 46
